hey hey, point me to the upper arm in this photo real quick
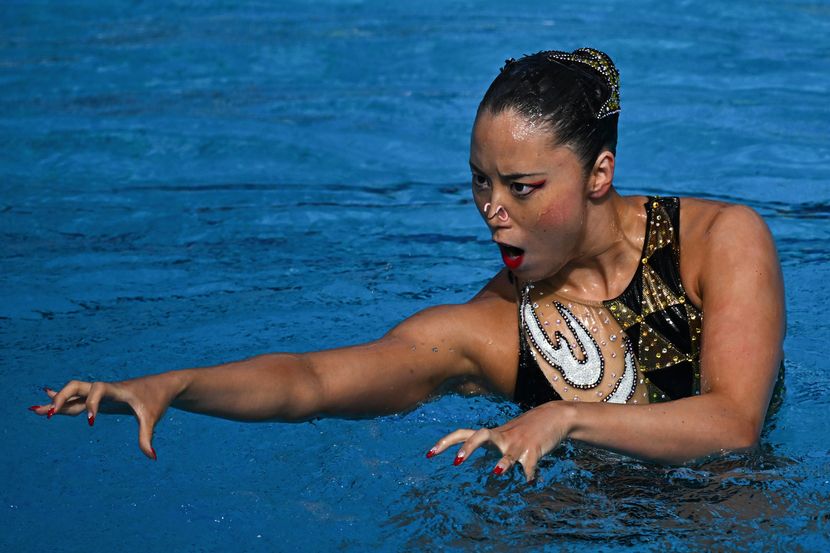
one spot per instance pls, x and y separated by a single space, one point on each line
741 288
415 358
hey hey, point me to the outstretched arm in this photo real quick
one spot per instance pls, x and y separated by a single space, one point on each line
391 374
741 289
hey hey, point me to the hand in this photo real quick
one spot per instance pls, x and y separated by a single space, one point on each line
525 439
147 398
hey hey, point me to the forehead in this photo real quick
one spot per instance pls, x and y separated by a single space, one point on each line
510 138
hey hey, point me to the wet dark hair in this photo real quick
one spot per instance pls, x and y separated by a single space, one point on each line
575 94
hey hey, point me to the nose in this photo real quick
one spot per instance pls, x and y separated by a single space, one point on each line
499 212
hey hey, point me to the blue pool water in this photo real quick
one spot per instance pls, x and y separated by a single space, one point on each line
188 183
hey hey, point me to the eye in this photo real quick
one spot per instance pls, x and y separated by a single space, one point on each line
480 182
522 189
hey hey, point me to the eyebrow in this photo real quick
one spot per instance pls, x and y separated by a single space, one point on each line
510 176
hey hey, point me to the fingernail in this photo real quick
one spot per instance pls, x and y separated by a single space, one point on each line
459 458
153 451
50 412
34 407
90 419
431 453
498 470
47 389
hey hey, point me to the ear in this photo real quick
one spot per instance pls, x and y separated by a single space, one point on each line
602 175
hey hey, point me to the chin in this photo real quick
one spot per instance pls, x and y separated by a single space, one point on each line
530 272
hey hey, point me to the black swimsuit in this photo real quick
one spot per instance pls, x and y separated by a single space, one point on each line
652 325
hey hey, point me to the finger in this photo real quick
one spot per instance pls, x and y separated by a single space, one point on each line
451 439
146 425
504 464
476 440
93 401
529 462
73 388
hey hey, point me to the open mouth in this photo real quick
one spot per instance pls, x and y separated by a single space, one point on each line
511 255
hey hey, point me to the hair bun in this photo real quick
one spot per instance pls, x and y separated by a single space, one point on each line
602 64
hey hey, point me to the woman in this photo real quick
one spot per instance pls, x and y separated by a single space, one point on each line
601 324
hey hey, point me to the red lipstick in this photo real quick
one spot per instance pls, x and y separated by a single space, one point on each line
511 256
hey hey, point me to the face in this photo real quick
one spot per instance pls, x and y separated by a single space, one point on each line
533 196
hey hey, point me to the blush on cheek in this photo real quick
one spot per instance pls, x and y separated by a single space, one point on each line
552 217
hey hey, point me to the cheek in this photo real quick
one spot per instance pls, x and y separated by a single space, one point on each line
552 218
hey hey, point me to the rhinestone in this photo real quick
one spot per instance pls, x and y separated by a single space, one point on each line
613 375
613 337
547 323
576 398
635 401
535 306
558 321
603 343
564 389
613 354
594 330
599 394
555 378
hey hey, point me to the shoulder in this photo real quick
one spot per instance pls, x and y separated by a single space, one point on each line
718 238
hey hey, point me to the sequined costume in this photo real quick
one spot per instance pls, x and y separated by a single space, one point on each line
641 347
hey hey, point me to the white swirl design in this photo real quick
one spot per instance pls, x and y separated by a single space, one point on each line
586 373
625 387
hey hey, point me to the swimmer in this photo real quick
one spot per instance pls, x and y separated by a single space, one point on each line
649 326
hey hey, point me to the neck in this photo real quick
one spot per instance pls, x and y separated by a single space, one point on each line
609 251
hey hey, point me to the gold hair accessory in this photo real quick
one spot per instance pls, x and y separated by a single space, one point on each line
602 64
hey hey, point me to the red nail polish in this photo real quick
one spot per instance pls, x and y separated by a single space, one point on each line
50 413
47 389
91 420
153 451
458 460
34 407
498 470
430 454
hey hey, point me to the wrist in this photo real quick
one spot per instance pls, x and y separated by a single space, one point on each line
177 383
569 415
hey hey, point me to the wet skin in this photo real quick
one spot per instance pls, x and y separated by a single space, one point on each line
573 230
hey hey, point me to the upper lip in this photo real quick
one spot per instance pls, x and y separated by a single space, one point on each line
508 245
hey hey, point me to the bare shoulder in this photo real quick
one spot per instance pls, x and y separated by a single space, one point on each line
720 237
481 335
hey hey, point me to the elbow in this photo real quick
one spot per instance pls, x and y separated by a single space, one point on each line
744 436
